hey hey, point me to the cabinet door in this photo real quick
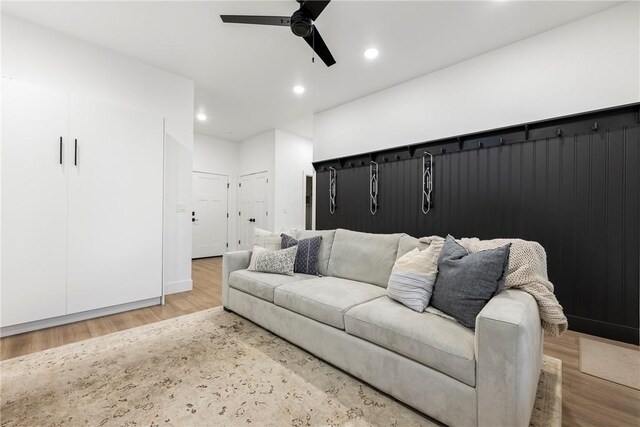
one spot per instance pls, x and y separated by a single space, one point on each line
34 203
115 206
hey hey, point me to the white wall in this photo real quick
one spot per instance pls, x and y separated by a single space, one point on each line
214 155
257 154
286 157
589 64
294 155
219 156
42 57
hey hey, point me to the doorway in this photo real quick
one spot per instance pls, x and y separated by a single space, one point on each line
308 202
209 216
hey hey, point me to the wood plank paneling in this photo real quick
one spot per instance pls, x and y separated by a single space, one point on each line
578 195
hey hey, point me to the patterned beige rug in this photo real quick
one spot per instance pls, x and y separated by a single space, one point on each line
207 368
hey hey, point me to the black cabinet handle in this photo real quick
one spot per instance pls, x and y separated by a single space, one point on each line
75 155
60 150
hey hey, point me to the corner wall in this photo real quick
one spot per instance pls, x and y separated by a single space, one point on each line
586 65
294 155
39 56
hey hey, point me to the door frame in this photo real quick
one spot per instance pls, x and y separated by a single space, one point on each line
227 207
311 175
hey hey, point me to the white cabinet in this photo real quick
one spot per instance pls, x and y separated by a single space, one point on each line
87 233
115 206
34 203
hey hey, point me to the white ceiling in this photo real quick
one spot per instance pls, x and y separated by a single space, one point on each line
244 74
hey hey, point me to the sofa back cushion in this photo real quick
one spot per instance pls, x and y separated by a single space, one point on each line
409 243
325 246
363 257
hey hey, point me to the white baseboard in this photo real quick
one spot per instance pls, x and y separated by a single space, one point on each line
179 286
76 317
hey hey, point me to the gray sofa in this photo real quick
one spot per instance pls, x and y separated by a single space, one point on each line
460 377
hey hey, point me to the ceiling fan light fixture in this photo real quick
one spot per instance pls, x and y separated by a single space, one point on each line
298 90
371 53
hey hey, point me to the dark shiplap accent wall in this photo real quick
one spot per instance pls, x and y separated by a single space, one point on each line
578 194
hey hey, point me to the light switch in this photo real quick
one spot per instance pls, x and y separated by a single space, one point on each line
181 207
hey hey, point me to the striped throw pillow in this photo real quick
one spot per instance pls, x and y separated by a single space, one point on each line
307 255
413 275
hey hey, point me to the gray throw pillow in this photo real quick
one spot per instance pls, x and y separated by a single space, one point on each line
306 255
467 281
268 261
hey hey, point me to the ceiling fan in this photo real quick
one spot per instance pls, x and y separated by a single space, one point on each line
301 24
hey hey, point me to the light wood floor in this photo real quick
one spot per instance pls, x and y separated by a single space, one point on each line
587 401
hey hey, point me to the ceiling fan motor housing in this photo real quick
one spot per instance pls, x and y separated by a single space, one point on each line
301 24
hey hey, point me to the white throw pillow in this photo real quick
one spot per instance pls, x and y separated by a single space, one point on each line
278 262
266 239
413 275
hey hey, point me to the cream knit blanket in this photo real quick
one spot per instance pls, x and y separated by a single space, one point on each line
528 272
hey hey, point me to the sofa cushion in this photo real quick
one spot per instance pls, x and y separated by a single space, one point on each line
363 256
261 285
439 343
408 243
325 246
325 299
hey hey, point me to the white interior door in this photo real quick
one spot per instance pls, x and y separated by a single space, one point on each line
209 215
34 203
245 212
260 200
253 202
115 206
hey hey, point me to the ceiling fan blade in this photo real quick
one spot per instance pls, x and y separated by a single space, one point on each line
283 21
314 7
318 45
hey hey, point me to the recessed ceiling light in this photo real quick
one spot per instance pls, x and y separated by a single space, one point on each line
201 116
298 89
371 53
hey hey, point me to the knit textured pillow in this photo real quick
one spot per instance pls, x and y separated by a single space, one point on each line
467 281
413 275
266 239
268 261
307 254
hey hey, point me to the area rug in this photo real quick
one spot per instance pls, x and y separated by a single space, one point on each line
207 368
614 363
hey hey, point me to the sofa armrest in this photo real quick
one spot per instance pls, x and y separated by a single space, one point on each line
508 347
232 261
